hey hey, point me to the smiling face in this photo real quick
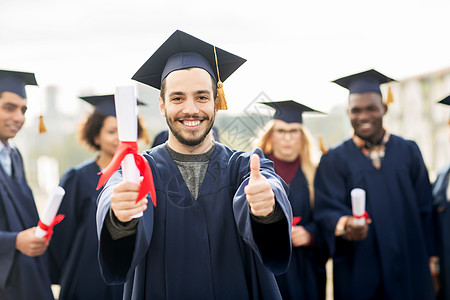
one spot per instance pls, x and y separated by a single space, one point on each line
12 115
366 113
189 108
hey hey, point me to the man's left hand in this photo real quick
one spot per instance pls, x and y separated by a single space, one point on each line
259 193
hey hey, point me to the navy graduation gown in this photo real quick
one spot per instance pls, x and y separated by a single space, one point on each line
21 277
442 222
74 246
306 275
394 256
207 248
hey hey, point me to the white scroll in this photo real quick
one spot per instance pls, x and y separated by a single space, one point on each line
51 208
127 126
359 205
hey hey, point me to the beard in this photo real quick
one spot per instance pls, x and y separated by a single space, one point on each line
190 138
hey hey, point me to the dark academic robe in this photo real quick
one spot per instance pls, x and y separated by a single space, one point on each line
306 275
21 277
208 248
74 246
442 222
395 254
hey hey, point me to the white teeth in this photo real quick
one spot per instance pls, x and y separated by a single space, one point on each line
191 123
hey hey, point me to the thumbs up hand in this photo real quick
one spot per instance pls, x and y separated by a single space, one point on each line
259 194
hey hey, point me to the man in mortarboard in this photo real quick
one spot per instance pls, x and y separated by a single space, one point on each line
23 262
441 195
288 143
222 223
388 256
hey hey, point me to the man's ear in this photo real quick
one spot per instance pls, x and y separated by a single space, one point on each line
161 107
385 108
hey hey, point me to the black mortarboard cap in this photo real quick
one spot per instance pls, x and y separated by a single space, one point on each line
367 81
15 81
289 111
104 103
445 101
182 51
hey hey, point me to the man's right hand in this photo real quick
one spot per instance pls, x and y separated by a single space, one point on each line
30 245
123 201
355 232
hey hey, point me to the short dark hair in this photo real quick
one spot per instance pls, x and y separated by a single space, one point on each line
163 86
91 126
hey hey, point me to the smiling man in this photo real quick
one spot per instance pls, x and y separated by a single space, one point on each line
387 257
222 223
23 264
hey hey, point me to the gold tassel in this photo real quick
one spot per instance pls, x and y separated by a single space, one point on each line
222 102
390 97
322 145
42 128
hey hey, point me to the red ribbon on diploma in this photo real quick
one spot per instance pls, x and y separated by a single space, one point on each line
296 220
147 184
49 228
364 215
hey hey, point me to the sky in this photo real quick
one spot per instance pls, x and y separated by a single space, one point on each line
293 48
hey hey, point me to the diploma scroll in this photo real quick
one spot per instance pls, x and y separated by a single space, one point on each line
51 208
359 205
126 113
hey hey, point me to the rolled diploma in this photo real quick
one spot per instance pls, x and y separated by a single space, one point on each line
51 208
358 204
126 113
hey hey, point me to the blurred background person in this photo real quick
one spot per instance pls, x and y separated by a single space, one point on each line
389 255
75 244
441 194
23 261
288 143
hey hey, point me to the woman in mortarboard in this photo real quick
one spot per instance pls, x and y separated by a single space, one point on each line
74 243
288 143
441 195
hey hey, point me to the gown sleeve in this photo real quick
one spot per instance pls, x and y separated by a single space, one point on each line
118 258
270 242
330 197
423 191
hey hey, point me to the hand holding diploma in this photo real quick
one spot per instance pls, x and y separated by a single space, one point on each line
123 201
359 206
29 244
126 153
49 218
258 191
357 226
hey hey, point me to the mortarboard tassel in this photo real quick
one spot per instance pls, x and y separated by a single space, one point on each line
322 145
42 128
220 93
390 97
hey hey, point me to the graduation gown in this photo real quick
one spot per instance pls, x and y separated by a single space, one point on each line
208 248
442 222
306 275
396 251
21 277
74 246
